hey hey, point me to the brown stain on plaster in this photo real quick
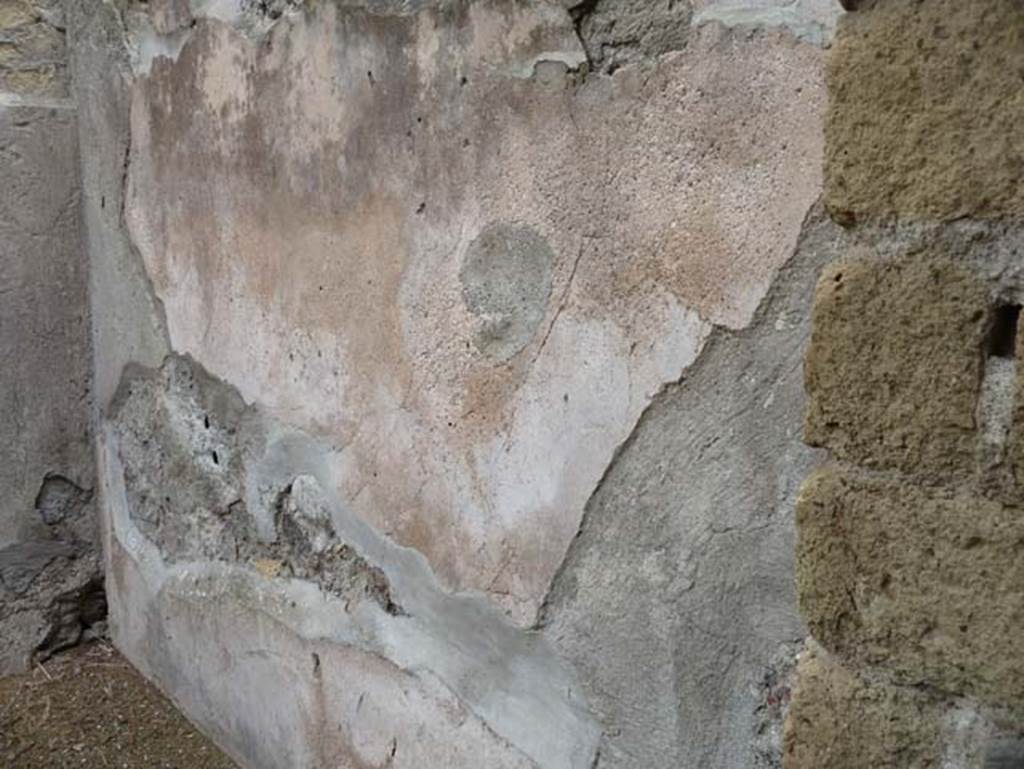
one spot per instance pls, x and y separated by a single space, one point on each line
326 164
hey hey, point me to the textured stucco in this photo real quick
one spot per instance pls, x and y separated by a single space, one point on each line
311 253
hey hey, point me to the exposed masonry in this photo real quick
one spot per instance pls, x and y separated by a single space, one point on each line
51 597
33 55
617 33
620 32
908 571
182 438
215 487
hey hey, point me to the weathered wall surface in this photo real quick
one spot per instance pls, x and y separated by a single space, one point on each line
474 272
49 570
909 553
676 601
449 412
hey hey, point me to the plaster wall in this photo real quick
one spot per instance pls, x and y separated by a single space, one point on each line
908 550
396 307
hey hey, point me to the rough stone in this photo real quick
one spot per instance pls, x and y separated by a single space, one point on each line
926 584
907 82
838 719
21 564
894 367
60 499
178 432
182 437
15 13
33 57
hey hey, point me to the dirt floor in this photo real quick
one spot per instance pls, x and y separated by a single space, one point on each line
89 708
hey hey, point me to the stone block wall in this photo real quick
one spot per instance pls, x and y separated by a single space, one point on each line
33 55
447 373
910 554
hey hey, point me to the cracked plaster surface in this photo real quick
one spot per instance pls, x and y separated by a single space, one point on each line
316 200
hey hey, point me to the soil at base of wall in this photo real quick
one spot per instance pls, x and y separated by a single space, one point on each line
90 708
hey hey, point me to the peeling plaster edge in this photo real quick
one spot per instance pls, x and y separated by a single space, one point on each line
714 336
158 310
711 336
740 15
460 631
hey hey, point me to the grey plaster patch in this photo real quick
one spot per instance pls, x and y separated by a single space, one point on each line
620 32
677 593
1005 753
788 17
44 315
265 515
506 284
128 322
